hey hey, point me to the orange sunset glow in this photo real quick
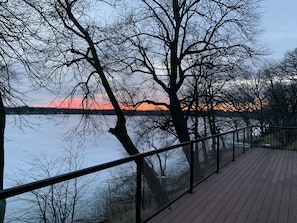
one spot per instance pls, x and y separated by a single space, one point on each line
77 103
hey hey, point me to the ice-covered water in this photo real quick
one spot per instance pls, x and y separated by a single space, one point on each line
47 136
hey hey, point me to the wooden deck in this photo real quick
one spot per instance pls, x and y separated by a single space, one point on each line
260 186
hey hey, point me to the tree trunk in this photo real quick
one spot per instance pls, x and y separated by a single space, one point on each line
120 131
160 196
178 118
2 128
181 128
179 123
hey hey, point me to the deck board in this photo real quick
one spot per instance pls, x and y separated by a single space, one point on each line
260 186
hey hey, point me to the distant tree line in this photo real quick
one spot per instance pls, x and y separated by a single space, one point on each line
26 110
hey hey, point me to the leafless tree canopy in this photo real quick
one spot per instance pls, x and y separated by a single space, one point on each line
177 54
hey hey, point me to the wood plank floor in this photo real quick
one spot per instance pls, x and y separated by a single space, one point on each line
260 186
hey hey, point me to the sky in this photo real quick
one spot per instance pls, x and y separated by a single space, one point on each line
279 25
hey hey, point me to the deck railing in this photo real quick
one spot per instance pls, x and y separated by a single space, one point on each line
118 191
276 137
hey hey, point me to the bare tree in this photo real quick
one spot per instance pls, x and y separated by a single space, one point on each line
62 202
163 41
15 69
78 53
281 97
2 128
288 66
273 91
166 45
168 39
248 96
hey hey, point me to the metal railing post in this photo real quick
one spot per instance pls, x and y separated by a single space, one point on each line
218 154
251 136
191 167
243 147
138 189
283 138
233 146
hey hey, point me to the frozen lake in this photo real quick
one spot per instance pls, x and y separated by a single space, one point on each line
49 137
35 139
38 146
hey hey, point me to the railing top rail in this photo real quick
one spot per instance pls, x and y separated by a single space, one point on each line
9 192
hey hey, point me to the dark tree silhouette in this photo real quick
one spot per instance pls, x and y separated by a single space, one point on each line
81 45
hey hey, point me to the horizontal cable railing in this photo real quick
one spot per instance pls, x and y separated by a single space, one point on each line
122 190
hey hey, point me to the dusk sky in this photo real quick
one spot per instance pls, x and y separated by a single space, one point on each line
279 24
